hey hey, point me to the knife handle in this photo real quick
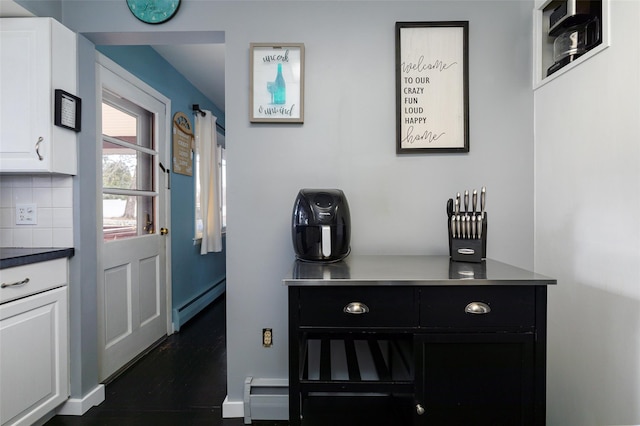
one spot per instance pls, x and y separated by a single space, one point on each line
483 196
466 201
468 227
453 226
479 226
449 207
474 201
473 227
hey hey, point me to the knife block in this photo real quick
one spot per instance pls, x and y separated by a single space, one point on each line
468 249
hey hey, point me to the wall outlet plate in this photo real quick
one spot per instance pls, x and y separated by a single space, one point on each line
267 337
26 214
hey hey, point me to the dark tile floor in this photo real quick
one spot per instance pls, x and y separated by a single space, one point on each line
180 382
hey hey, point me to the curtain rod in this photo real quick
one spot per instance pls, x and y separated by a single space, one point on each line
197 110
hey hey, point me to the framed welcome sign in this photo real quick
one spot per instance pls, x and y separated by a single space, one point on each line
276 83
432 87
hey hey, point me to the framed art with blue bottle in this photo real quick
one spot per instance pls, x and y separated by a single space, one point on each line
276 83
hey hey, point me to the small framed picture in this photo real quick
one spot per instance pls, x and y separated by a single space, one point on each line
67 110
432 87
276 86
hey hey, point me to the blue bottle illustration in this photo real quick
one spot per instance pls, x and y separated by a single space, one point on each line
278 88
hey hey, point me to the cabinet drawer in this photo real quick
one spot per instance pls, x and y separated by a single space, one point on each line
384 306
41 276
508 307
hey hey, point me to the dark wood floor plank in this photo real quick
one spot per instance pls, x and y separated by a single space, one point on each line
182 381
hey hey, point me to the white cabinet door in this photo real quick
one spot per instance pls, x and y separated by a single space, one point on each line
37 56
34 356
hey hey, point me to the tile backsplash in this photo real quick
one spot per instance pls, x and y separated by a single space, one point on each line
52 196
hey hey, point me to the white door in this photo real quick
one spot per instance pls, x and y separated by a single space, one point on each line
133 295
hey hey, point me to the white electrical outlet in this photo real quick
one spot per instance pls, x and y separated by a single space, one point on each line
26 214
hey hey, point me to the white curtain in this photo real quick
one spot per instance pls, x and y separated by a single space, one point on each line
210 175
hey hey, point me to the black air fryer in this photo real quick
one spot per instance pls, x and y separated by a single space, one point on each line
321 225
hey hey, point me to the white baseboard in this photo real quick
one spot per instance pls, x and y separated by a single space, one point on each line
265 399
231 409
79 406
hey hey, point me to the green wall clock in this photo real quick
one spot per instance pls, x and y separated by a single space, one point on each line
153 11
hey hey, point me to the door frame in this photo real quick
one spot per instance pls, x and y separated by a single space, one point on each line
164 158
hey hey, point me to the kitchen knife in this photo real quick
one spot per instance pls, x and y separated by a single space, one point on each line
451 217
473 226
467 220
483 196
479 227
458 226
466 201
474 202
453 226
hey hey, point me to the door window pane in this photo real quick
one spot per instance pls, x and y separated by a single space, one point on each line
127 216
128 164
124 120
126 168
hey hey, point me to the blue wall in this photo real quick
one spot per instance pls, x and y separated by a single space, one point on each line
192 274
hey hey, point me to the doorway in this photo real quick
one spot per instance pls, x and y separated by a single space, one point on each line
134 274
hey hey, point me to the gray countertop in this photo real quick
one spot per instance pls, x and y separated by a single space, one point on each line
410 270
11 256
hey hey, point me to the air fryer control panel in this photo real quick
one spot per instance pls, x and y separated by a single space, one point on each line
323 203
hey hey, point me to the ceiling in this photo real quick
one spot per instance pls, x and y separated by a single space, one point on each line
198 56
201 64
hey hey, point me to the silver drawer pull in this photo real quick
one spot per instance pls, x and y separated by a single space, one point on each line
16 284
40 157
478 308
356 308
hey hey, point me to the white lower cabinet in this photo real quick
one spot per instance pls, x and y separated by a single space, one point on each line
34 355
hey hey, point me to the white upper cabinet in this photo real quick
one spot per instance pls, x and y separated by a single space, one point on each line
37 56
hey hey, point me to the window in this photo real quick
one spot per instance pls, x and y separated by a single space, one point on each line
223 178
128 193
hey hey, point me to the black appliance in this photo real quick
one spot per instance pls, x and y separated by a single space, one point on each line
573 43
321 225
575 26
569 13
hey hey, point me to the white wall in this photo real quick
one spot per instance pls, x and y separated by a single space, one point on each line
587 186
348 141
53 198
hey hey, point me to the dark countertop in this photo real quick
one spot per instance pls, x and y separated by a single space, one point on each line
10 257
410 270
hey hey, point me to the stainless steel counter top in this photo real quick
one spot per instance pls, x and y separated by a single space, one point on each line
410 270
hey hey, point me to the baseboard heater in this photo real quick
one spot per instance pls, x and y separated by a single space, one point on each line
188 310
265 399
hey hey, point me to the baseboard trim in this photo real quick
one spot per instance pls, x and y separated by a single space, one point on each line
232 409
265 399
184 313
79 406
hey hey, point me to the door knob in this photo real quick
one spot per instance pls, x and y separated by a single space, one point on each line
419 409
164 231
